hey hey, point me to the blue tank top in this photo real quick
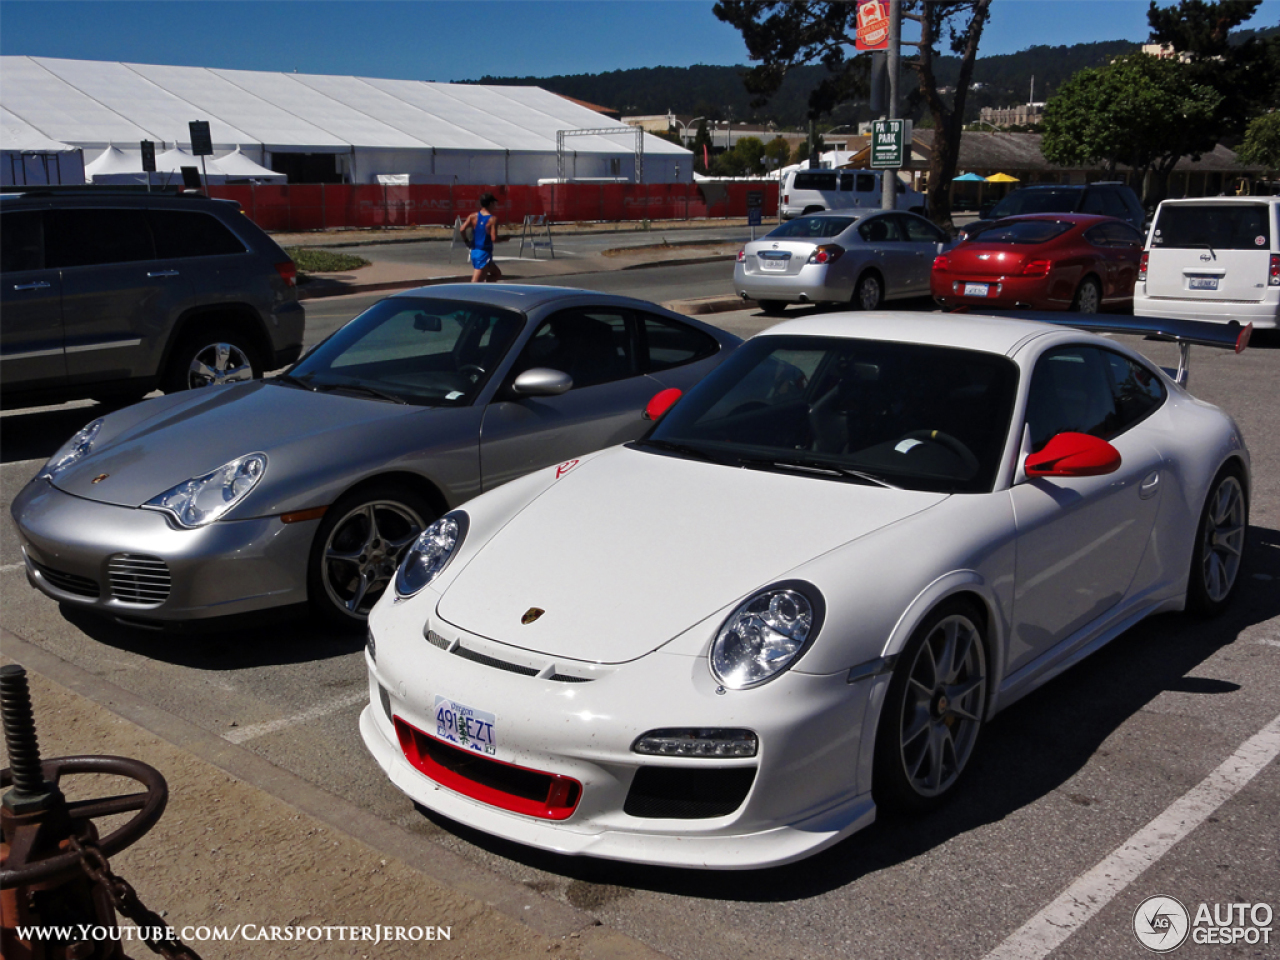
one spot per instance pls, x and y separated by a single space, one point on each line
483 241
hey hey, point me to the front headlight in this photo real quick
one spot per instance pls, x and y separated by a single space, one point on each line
202 500
430 554
765 635
73 450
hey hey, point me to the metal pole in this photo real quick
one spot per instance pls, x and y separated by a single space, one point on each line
889 178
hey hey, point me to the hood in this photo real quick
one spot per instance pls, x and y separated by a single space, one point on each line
632 548
207 428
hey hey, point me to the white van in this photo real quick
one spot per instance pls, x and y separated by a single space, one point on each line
806 190
1216 258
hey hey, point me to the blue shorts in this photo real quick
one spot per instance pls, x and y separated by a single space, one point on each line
480 259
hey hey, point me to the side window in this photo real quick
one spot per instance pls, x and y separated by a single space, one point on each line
921 231
1136 390
1099 236
879 230
846 181
592 346
1071 392
21 241
81 238
189 233
1113 206
671 344
1092 203
866 183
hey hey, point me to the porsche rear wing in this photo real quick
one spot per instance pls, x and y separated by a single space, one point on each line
1184 333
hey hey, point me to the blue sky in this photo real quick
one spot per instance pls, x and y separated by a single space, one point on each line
466 39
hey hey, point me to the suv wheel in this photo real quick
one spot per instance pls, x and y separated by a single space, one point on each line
213 356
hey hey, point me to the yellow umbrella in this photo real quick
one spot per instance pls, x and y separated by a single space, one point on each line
1002 178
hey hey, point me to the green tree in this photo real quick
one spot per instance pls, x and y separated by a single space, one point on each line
801 152
1261 145
1140 110
777 152
783 35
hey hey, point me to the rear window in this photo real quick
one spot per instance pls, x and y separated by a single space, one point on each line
1024 231
1226 226
812 228
1037 201
814 181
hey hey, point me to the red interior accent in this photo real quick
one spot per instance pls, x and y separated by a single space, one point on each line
556 796
1074 455
662 401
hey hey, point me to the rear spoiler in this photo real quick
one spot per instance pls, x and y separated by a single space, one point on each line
1230 335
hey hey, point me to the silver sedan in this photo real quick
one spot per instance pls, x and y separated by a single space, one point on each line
309 486
856 257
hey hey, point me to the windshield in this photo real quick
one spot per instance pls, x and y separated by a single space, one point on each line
1024 231
1036 201
812 228
412 350
904 415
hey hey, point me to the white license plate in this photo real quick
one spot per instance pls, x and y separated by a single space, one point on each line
1202 283
976 289
773 264
466 727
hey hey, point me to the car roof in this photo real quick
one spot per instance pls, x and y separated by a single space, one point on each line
1087 219
988 334
1194 201
525 297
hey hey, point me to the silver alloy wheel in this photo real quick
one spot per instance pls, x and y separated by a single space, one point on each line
218 363
1088 297
362 552
942 705
869 295
1222 539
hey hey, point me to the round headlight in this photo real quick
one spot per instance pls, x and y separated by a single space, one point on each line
73 450
202 500
762 637
430 554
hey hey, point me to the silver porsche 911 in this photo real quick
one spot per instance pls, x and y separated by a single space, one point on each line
310 485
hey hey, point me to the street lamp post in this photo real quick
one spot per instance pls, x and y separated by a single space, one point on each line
684 127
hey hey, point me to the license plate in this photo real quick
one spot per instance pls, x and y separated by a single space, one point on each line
465 727
773 264
1202 283
976 289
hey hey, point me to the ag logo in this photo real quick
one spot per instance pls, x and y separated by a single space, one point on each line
1161 924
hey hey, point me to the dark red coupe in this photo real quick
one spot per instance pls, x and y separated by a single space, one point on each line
1042 261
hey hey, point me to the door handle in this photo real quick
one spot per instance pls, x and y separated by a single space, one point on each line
162 273
1150 486
36 285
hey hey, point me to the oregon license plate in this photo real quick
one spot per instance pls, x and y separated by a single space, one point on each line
771 264
1202 283
976 289
465 727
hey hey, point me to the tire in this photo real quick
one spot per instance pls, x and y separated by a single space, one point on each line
931 718
1217 556
358 547
220 354
772 307
1088 298
869 292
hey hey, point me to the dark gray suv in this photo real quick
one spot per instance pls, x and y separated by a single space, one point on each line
111 294
1107 198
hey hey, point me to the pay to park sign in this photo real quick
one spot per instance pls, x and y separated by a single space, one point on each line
889 139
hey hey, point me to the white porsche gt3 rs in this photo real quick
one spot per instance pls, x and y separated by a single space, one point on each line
805 591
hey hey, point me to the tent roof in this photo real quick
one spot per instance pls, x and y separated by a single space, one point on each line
114 160
17 134
96 103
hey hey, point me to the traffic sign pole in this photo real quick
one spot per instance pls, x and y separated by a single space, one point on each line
889 179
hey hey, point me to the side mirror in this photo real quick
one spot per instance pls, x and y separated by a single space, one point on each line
427 322
661 403
1073 455
542 382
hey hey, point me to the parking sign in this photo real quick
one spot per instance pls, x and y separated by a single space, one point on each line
889 139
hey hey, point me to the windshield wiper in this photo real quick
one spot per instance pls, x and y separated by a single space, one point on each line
687 449
360 388
304 381
822 468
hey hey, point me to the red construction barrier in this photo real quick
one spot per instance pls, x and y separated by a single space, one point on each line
299 207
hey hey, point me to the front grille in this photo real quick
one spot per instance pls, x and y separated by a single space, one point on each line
533 793
137 579
688 793
68 582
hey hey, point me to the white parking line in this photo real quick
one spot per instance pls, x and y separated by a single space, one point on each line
10 567
241 734
1076 905
1270 643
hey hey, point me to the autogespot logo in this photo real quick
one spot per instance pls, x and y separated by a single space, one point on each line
1161 924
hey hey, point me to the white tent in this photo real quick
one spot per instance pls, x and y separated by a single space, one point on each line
350 128
236 166
29 158
115 166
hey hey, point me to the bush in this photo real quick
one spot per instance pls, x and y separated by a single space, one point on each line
319 260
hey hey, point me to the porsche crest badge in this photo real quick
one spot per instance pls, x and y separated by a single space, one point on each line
532 614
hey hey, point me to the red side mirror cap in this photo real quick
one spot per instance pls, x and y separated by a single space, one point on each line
1074 455
661 403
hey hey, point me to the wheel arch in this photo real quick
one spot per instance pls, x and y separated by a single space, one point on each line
239 316
416 482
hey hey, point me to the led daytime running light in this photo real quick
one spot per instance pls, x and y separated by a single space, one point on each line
694 742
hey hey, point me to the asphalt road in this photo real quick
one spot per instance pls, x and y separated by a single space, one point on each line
1061 782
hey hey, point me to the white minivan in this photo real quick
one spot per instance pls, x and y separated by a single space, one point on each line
806 190
1215 258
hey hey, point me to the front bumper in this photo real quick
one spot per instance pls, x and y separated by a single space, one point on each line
815 283
811 785
132 565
